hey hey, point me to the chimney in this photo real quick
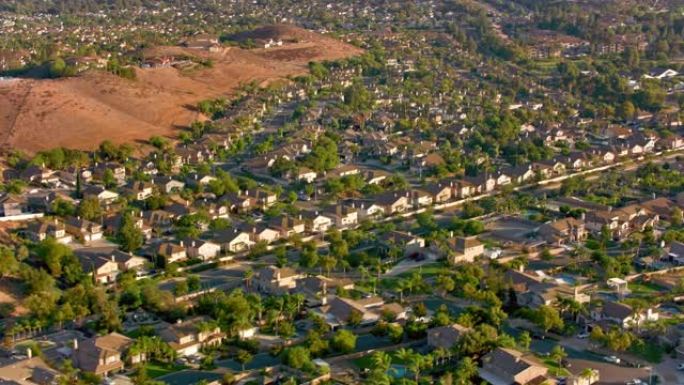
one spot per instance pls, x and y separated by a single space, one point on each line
29 352
451 234
193 243
113 258
75 344
181 243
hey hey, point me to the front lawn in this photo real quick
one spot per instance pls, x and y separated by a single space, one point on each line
158 369
554 369
648 351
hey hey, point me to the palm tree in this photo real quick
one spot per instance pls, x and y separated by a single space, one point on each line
381 361
588 373
558 354
401 286
404 354
248 276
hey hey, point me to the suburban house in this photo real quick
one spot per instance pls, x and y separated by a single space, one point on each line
369 210
461 249
623 315
446 337
510 367
171 252
420 198
139 190
260 232
40 230
343 216
189 336
562 231
340 311
318 288
675 254
287 225
407 243
275 280
117 171
234 241
103 355
83 230
103 269
534 290
393 202
440 192
27 371
316 222
204 250
11 205
167 184
620 222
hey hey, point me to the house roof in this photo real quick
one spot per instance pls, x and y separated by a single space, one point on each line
617 310
90 352
447 336
508 363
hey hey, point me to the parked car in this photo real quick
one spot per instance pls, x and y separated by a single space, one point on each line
612 359
680 366
583 335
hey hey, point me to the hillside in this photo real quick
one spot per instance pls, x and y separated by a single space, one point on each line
83 111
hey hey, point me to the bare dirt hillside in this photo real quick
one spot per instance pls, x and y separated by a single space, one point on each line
83 111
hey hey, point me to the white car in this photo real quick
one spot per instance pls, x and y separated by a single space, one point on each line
612 359
583 335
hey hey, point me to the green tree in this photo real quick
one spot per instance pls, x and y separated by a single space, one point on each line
558 354
547 318
243 357
90 209
466 370
344 341
524 340
297 357
129 236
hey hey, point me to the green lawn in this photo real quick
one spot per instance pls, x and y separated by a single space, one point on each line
365 362
650 352
158 369
644 288
428 270
554 369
